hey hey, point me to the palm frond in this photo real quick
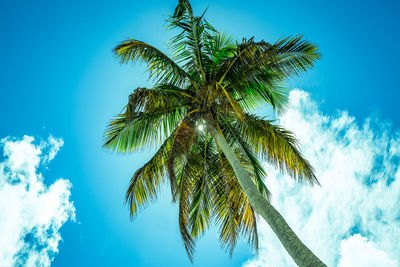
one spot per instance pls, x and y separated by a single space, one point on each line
277 145
183 139
258 68
159 65
249 228
188 46
185 195
126 134
248 78
183 7
150 116
200 211
294 55
219 47
162 96
232 211
145 183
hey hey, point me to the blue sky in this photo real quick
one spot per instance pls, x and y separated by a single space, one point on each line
60 78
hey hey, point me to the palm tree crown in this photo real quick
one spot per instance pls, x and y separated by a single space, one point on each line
209 81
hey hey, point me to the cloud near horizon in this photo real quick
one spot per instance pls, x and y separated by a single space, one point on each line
353 219
31 213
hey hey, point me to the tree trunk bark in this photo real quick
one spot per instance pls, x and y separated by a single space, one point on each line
301 254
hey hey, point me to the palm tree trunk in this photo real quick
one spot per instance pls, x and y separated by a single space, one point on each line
301 254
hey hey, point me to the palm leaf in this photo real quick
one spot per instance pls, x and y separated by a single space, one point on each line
145 183
183 139
150 117
277 145
232 211
183 7
259 68
294 55
160 66
185 195
126 134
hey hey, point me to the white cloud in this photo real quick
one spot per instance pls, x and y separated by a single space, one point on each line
31 213
54 145
357 251
356 211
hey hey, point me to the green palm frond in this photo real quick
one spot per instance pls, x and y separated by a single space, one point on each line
248 76
183 139
294 55
200 210
256 94
259 68
219 47
150 116
185 195
192 184
159 65
145 183
206 185
249 228
163 96
232 211
141 129
183 8
188 46
277 145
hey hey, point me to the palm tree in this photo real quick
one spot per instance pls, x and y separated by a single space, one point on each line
199 115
